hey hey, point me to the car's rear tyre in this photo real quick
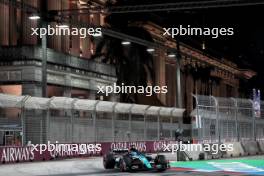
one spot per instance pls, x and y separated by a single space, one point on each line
109 161
161 160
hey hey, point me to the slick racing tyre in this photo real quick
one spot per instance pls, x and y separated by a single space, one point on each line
122 165
161 161
109 161
125 164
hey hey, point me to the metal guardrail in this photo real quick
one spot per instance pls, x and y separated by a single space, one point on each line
71 120
218 119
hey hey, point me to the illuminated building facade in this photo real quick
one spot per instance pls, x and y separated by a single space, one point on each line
72 70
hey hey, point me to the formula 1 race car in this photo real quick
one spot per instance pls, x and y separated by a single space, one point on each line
127 160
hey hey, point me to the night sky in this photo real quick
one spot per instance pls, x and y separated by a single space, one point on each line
245 48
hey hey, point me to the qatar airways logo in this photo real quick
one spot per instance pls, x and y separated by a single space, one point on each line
28 153
13 154
141 146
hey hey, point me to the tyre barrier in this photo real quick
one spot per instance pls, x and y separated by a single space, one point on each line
250 147
237 150
261 146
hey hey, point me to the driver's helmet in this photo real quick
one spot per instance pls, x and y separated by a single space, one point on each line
133 148
133 154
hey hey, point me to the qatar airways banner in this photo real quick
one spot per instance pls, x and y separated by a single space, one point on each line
49 151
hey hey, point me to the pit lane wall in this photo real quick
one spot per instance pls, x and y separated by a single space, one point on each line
16 154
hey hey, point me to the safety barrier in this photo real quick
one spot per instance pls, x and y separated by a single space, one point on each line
250 147
15 154
218 119
237 150
261 145
70 120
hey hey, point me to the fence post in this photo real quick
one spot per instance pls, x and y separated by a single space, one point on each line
48 120
158 121
145 124
72 118
23 120
217 119
41 131
197 118
171 116
253 121
113 122
94 114
236 119
129 121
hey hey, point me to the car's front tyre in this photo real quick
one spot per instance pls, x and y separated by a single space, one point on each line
125 164
122 165
161 163
109 161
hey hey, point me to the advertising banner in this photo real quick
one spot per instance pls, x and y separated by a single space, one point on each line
45 152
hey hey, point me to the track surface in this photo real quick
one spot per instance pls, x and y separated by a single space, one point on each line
93 166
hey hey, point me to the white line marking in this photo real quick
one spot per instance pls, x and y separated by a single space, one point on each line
235 167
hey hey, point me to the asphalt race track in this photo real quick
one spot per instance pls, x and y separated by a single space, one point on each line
93 166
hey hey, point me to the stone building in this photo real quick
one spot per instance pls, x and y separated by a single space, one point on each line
69 70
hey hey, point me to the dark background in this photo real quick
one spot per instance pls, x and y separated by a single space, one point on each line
245 48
